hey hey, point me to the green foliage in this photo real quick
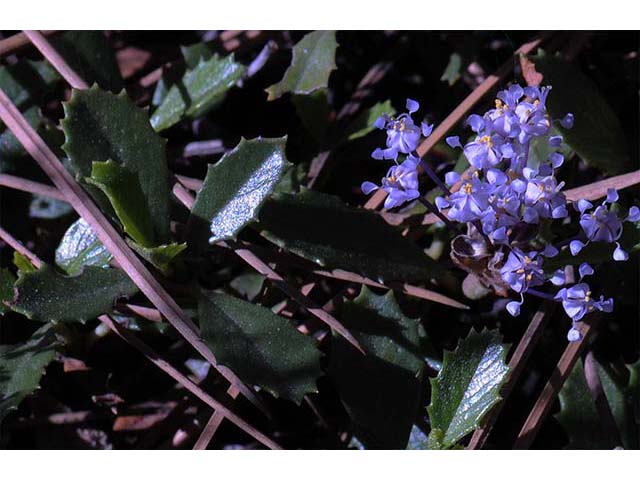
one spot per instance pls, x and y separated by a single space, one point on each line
380 390
467 387
201 89
597 135
6 289
313 60
235 189
22 366
100 126
579 416
259 346
25 83
79 248
322 229
363 123
161 256
89 54
314 110
46 296
451 73
123 190
23 264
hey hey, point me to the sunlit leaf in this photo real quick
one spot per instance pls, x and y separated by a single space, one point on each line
161 256
313 60
80 247
202 88
235 189
363 123
467 387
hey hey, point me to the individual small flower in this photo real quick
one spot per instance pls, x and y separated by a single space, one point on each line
574 335
469 203
633 215
577 301
403 135
401 183
567 121
542 198
522 271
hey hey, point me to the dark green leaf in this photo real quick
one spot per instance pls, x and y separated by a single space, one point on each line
201 89
6 289
161 256
48 208
235 189
79 248
89 54
196 52
314 58
314 110
22 366
122 188
45 295
597 135
467 386
451 73
579 416
363 123
380 390
324 230
259 346
100 126
25 83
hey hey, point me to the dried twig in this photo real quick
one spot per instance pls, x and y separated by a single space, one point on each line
552 388
109 237
463 108
19 40
153 357
516 367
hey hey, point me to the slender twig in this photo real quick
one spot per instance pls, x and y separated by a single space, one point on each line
516 367
276 279
17 41
50 53
154 357
24 185
109 237
202 148
434 210
552 388
463 108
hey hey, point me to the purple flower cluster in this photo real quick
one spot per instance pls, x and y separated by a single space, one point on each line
507 197
403 137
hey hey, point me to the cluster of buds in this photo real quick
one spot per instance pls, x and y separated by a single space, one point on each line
504 199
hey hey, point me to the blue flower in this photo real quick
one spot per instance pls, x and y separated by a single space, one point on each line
577 301
522 271
403 135
401 183
469 203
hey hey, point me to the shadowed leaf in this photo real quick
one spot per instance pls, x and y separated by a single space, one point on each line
380 390
259 346
46 296
22 366
100 126
597 135
322 229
